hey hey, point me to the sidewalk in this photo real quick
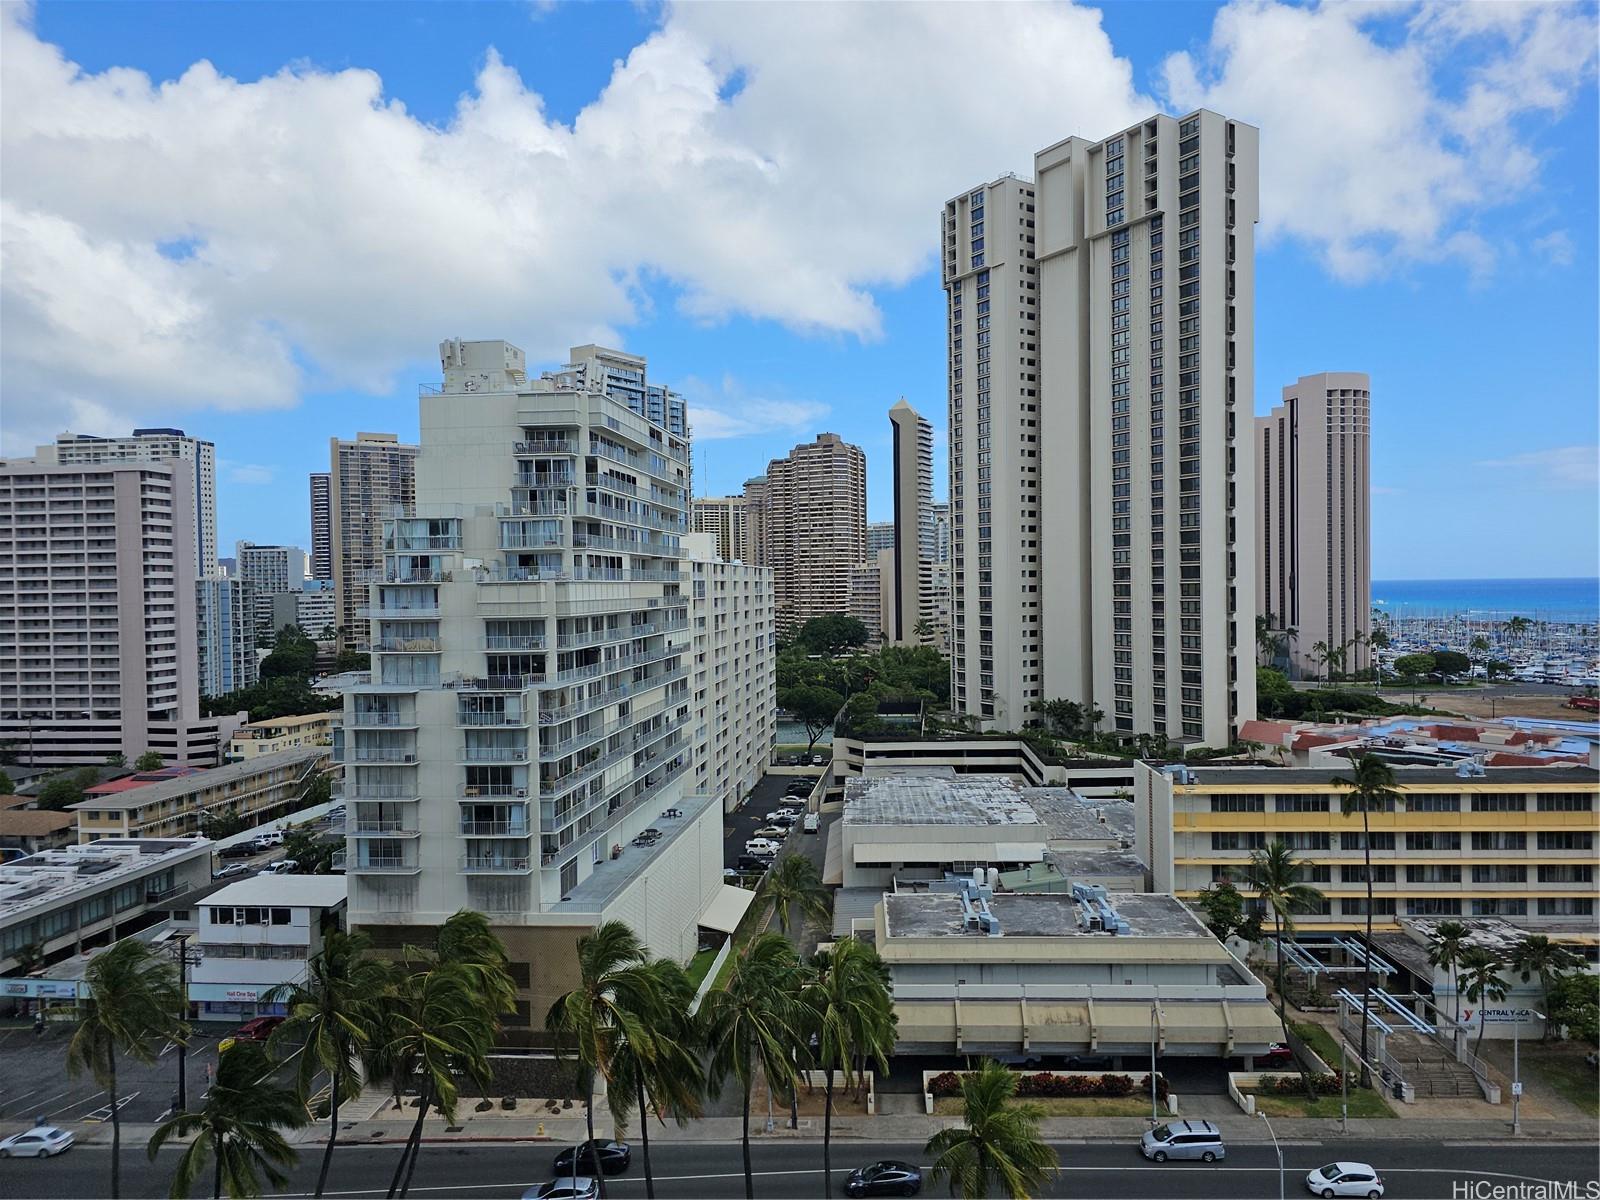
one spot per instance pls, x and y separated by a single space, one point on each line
1238 1129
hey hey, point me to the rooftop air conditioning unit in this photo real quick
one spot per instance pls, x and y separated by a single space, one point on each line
522 793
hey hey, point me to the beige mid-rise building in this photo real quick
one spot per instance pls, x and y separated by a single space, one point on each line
369 481
872 595
723 517
815 528
1101 352
1314 522
98 635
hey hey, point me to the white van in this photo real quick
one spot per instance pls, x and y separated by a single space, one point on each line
813 822
762 846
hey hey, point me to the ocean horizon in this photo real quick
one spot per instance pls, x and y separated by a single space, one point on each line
1566 600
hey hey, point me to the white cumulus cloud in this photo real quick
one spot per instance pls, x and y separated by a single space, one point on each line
1559 467
1386 129
729 410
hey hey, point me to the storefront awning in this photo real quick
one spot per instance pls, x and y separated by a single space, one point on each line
727 908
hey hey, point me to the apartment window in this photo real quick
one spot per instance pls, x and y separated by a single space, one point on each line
1380 841
1433 803
1382 906
1381 873
1509 907
1499 803
1313 840
1567 906
1566 873
1238 804
1563 840
1433 841
1238 841
1434 873
1498 840
1499 873
1563 802
1301 804
1433 906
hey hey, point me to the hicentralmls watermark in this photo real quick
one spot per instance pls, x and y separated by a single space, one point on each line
1544 1189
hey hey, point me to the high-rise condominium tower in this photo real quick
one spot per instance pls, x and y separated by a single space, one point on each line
816 527
270 571
880 536
915 541
98 646
723 517
531 715
1117 356
622 377
151 445
369 480
225 617
755 521
321 526
1314 522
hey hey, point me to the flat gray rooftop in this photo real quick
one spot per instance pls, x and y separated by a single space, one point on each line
1051 914
1071 817
1074 863
936 800
1403 775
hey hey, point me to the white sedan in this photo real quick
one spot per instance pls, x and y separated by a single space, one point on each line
39 1142
1345 1179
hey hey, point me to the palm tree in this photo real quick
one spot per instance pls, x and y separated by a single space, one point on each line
1537 955
1370 786
1274 875
615 1001
662 1074
330 1018
238 1125
134 998
1478 646
1266 638
999 1144
795 883
1320 653
754 1023
853 1013
1449 943
440 1021
1481 982
1378 639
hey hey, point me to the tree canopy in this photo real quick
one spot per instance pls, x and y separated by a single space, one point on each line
283 697
1451 662
1412 665
66 788
831 634
294 656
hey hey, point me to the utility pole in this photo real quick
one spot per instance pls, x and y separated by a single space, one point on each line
1344 1091
1276 1147
186 959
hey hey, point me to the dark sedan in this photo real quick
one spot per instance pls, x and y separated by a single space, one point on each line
615 1157
884 1179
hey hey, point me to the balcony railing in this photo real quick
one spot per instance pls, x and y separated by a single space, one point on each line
505 641
472 864
512 829
382 866
375 716
382 754
414 645
380 827
490 791
491 683
531 479
380 791
492 719
494 754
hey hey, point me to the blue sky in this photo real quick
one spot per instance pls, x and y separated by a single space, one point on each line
266 250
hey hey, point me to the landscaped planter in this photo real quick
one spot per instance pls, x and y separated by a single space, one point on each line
1045 1084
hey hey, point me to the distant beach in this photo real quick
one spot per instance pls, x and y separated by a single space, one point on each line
1566 601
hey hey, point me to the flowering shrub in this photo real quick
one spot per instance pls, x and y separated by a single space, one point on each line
1044 1084
1290 1084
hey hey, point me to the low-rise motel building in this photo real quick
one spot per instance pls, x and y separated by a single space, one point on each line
260 738
256 789
1467 841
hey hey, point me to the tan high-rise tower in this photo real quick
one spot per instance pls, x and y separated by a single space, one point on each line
911 587
816 527
1102 502
370 480
1314 522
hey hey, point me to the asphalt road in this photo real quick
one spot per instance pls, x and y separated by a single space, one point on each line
793 1169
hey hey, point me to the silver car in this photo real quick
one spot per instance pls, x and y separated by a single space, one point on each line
1183 1139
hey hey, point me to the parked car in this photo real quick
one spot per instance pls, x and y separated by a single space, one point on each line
42 1141
761 846
614 1158
239 850
813 822
266 841
884 1179
1277 1055
579 1187
786 817
232 871
284 866
753 863
776 832
1088 1062
800 787
1183 1139
1346 1179
818 761
775 814
257 1029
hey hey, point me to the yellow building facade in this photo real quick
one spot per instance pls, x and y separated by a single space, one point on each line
282 733
1511 842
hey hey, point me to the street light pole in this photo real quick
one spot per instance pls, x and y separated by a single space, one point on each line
1344 1091
1154 1117
1276 1147
182 1037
